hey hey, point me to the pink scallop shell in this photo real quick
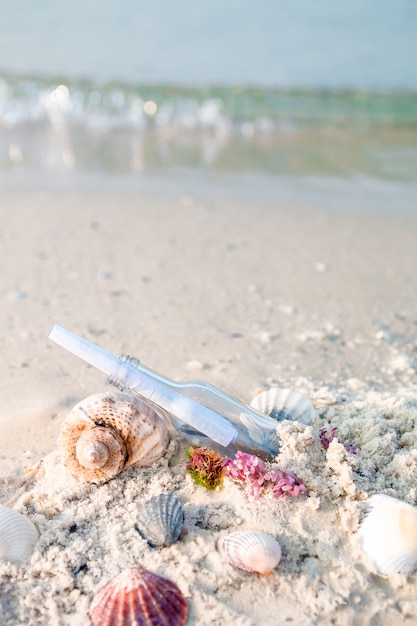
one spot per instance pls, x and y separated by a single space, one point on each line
137 597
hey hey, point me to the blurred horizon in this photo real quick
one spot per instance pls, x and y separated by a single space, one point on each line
306 89
361 45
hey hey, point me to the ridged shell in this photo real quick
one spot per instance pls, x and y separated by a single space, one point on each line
137 597
160 520
107 432
252 551
388 535
17 536
285 404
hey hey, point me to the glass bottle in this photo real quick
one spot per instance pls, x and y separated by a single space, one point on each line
198 411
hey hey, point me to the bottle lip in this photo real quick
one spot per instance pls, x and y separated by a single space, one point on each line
84 349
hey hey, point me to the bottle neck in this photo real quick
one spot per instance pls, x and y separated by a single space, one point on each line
131 374
202 407
167 395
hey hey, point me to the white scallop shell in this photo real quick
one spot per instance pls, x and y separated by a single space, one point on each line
17 536
285 404
252 551
388 535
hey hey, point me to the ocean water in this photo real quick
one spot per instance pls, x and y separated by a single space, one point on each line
305 88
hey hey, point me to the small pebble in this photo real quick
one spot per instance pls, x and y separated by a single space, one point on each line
355 384
17 294
286 308
323 397
195 365
400 363
103 275
266 337
383 335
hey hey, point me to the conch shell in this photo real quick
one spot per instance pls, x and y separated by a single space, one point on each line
107 432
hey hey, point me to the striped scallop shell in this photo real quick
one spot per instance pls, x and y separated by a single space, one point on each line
285 404
252 551
137 596
107 432
388 535
17 536
160 520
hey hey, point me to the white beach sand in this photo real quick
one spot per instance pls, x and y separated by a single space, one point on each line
245 289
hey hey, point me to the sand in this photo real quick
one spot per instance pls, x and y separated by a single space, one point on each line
239 283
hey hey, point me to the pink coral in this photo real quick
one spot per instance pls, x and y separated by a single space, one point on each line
286 482
253 471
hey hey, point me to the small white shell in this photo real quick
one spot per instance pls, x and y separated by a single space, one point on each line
285 404
388 535
252 551
17 536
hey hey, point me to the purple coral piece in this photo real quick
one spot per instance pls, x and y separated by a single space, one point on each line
252 470
325 440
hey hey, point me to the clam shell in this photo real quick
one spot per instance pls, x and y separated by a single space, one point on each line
137 596
107 432
285 404
252 551
17 536
160 520
388 535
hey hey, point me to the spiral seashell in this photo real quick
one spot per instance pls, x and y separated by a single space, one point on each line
137 596
17 536
160 520
107 432
285 404
388 535
252 551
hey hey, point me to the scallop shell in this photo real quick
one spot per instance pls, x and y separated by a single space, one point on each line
137 596
285 404
107 432
252 551
388 535
161 519
17 536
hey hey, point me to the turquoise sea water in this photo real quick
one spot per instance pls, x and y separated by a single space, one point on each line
301 88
